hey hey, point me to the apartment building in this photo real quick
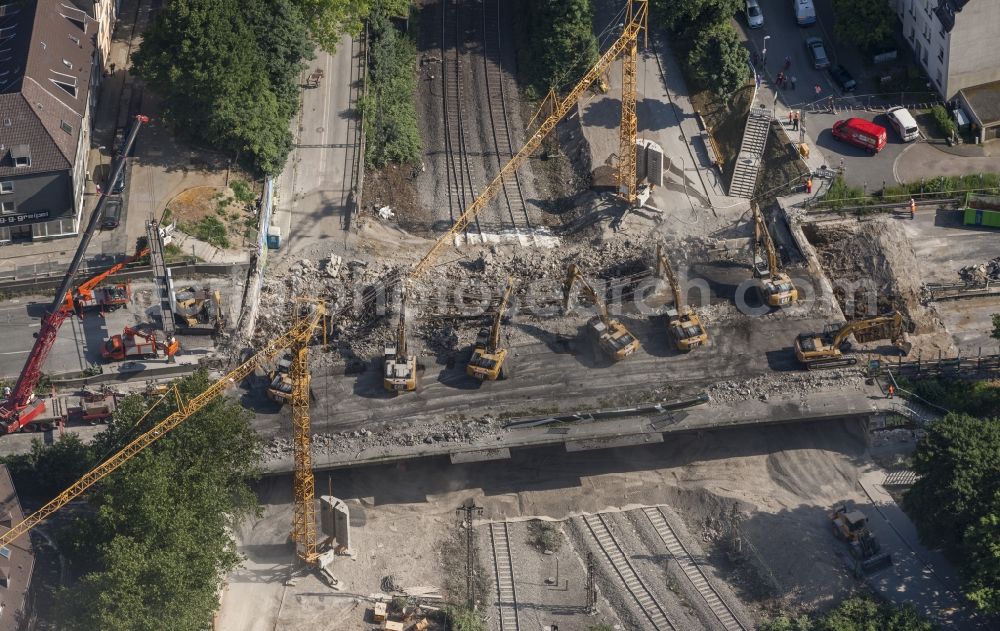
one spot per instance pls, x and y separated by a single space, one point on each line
953 40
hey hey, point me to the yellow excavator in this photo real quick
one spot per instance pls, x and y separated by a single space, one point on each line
824 350
682 322
777 289
198 310
399 372
612 336
279 381
487 361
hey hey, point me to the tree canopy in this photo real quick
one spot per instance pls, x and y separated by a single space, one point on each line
692 16
956 500
330 20
559 43
719 60
227 74
858 613
996 327
159 541
865 24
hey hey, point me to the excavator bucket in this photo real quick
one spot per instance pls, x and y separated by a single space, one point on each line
877 563
904 345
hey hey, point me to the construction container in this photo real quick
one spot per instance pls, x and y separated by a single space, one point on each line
982 210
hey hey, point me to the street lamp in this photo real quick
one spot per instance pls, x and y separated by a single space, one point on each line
763 52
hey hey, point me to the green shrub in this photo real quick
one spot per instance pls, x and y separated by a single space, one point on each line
545 536
243 192
392 134
210 230
556 44
944 122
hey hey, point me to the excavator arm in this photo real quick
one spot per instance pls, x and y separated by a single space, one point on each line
858 326
628 37
401 328
663 270
573 276
762 238
498 316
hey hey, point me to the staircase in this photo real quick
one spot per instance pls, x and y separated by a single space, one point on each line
158 261
751 152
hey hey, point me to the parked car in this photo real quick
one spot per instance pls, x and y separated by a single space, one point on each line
805 12
112 213
755 17
860 133
904 123
818 52
119 184
843 78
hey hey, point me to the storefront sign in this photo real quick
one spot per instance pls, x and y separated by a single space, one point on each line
9 220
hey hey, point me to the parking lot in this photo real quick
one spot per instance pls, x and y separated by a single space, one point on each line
782 38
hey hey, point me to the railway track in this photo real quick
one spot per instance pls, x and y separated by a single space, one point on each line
648 605
693 571
460 189
504 577
496 98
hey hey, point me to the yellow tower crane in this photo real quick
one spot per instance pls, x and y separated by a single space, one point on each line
627 179
777 287
487 361
684 324
297 338
625 43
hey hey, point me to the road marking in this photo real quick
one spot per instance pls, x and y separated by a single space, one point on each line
16 352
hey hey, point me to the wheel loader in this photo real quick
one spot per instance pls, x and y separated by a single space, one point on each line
851 526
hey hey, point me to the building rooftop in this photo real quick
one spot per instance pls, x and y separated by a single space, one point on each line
946 10
16 562
985 101
46 59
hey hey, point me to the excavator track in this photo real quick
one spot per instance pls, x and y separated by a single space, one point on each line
823 364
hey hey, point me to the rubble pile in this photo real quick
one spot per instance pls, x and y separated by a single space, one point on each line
766 386
988 272
352 442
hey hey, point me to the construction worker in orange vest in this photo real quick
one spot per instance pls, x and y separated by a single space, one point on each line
913 208
892 390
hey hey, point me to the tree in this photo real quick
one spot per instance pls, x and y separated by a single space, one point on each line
159 541
330 20
691 16
226 71
956 499
857 613
719 60
996 327
561 46
48 469
864 23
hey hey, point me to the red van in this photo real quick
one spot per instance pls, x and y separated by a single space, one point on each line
860 133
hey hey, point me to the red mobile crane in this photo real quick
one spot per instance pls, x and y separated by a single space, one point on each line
88 294
21 407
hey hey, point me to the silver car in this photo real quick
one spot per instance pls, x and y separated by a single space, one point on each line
755 17
818 52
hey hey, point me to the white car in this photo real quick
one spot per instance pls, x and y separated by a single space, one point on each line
755 17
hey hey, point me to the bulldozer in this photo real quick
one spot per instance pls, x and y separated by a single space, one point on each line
683 323
825 350
488 359
279 381
198 310
399 370
776 288
612 336
851 525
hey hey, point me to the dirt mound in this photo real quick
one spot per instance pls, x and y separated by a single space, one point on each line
871 267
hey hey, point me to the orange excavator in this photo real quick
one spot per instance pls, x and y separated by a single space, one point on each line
88 294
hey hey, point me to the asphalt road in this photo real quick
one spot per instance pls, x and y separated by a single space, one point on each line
19 323
312 208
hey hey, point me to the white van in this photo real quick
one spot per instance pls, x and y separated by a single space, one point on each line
904 124
805 12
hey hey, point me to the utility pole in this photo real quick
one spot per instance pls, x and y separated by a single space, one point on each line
591 585
470 508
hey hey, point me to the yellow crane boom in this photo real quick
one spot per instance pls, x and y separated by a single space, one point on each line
561 108
299 334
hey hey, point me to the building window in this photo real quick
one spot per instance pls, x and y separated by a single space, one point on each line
6 187
22 161
925 58
69 88
937 78
941 53
7 208
74 39
913 32
68 64
66 127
